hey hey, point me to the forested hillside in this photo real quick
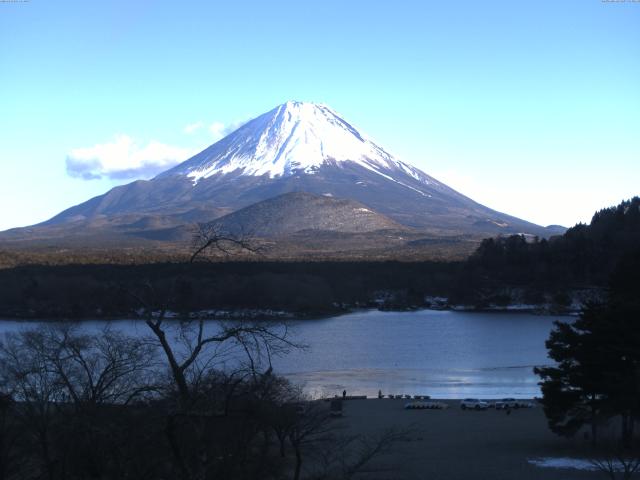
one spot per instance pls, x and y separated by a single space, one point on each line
585 255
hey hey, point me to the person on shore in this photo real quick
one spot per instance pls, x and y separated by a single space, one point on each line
344 394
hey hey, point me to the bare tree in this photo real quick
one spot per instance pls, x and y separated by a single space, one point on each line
334 455
309 427
65 383
207 361
371 447
212 236
29 379
194 349
108 368
624 464
10 434
616 460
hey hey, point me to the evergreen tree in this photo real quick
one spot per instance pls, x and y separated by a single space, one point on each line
597 376
573 391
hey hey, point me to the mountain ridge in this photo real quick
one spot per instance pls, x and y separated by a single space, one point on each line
295 147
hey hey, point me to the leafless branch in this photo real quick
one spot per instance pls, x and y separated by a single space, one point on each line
212 236
626 464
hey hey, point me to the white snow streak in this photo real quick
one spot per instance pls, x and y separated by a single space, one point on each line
294 137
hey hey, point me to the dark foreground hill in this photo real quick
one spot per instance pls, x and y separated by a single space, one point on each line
298 212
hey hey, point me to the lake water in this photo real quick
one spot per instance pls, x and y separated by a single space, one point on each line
445 354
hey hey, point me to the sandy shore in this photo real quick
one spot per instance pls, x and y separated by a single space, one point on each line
454 444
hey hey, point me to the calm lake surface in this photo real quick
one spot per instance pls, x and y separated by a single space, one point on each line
444 354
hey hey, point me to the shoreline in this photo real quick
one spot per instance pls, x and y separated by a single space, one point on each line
243 314
450 402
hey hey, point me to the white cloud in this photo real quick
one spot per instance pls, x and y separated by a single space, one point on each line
217 129
192 127
124 158
220 130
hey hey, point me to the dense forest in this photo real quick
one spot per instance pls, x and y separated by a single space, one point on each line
583 258
584 255
503 271
313 288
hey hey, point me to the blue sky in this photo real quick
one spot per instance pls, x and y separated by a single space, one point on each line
532 108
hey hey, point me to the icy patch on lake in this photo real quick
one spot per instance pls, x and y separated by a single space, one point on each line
573 463
563 462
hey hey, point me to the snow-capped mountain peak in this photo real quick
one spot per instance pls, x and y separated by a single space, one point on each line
306 150
292 138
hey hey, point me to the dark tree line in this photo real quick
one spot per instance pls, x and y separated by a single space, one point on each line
305 288
549 270
584 255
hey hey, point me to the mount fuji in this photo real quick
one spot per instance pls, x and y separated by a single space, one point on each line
296 147
293 138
